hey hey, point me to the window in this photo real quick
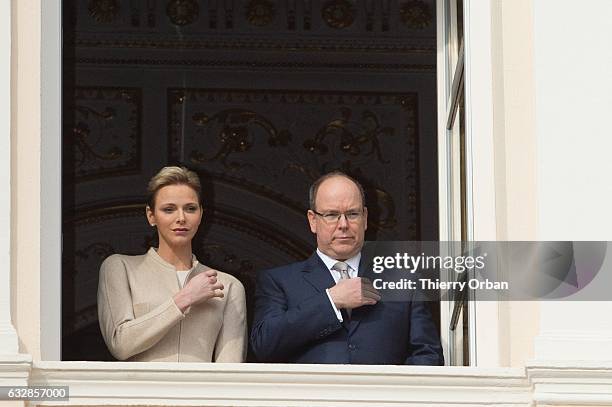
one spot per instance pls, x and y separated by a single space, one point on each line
452 214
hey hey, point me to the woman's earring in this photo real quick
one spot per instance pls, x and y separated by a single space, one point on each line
152 224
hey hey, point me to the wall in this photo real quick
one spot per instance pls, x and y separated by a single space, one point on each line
26 153
515 155
573 104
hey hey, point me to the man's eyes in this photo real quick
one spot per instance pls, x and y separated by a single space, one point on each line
334 215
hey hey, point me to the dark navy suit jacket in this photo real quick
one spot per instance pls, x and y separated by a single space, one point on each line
294 322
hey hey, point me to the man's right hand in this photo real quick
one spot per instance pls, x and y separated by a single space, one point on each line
353 293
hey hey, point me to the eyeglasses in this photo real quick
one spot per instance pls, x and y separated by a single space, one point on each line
334 217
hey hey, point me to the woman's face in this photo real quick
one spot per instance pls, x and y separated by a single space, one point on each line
177 215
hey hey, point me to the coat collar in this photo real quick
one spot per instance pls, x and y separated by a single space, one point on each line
317 274
168 277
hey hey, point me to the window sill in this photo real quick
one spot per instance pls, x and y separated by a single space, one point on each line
131 383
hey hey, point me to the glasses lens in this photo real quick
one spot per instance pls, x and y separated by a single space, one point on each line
333 217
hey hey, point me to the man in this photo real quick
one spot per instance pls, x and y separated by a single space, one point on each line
322 311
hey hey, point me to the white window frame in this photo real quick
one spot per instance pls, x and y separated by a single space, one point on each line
479 156
51 181
480 188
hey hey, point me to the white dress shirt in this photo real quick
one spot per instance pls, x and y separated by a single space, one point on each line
353 270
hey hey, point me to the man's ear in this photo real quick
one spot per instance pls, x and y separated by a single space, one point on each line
365 218
312 221
150 216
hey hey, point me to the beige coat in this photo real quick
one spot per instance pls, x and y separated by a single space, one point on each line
140 321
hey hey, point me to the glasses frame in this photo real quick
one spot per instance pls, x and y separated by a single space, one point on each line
333 222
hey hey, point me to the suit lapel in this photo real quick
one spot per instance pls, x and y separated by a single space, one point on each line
316 274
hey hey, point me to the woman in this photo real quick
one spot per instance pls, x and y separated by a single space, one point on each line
164 305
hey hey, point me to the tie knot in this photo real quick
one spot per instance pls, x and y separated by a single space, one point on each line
342 267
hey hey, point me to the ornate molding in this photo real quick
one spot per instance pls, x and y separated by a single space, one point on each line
227 140
404 68
260 13
182 12
103 11
416 14
338 14
305 17
261 43
106 131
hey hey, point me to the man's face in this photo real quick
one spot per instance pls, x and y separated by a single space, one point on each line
341 239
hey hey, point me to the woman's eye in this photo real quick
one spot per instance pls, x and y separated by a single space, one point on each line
192 208
167 210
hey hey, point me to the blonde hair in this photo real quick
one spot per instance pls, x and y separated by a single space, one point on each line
173 176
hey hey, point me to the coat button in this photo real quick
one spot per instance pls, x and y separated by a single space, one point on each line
352 347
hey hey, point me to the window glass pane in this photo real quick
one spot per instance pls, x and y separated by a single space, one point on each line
260 98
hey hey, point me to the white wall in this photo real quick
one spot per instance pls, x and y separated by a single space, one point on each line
573 60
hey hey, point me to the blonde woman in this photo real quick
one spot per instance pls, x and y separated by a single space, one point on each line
164 305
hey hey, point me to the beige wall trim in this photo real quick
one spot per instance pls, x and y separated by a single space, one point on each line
541 383
15 370
100 383
8 335
565 384
287 385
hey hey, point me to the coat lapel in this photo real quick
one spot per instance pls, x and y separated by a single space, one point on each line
316 274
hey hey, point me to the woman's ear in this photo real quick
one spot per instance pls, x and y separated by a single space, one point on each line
150 216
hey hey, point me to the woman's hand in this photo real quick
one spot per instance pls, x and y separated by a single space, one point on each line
202 287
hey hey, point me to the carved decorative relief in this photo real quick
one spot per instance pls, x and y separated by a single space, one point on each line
274 18
286 139
106 131
415 14
103 11
182 12
235 133
260 12
338 13
353 135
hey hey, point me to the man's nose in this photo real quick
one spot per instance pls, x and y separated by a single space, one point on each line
342 222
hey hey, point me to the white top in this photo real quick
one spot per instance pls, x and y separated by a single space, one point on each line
182 274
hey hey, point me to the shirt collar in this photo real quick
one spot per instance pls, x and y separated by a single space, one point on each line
353 262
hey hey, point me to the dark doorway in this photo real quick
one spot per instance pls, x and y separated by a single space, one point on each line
260 97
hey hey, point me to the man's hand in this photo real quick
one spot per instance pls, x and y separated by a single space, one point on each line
201 287
353 293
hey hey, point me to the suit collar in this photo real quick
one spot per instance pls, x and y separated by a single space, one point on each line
353 262
317 274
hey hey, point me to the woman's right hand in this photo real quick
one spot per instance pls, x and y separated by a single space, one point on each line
201 287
